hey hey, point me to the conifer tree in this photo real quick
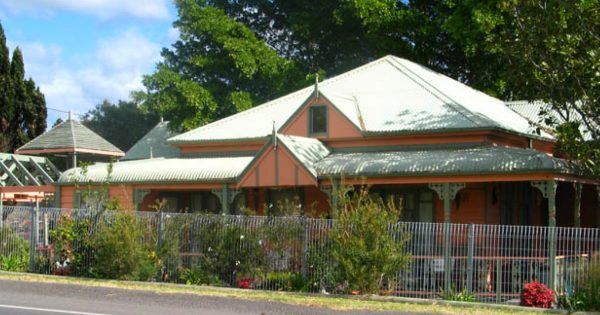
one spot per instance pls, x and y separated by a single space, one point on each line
6 110
23 110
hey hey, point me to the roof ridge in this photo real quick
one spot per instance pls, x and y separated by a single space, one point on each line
437 92
73 133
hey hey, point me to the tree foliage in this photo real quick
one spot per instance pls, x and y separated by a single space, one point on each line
121 124
218 67
22 105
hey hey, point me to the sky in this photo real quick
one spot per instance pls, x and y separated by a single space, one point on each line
81 52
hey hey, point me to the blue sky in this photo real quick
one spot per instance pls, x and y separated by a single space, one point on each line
80 52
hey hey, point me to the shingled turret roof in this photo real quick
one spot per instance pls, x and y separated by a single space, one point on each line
70 136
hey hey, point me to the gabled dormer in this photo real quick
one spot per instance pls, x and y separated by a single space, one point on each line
318 117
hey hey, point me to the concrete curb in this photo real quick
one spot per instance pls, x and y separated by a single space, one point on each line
375 298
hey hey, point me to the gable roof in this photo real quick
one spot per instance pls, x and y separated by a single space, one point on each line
390 94
70 136
531 111
153 144
307 151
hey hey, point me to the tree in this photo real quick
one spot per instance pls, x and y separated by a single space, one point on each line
121 124
218 67
553 49
22 105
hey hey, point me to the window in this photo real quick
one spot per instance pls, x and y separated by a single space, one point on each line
417 205
318 119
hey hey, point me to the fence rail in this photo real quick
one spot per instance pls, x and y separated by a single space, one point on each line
292 253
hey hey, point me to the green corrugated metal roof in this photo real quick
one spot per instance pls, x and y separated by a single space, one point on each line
162 171
70 135
443 161
153 144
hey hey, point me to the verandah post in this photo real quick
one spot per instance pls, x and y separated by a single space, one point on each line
577 205
551 192
548 189
446 192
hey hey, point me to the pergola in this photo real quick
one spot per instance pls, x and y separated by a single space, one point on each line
25 178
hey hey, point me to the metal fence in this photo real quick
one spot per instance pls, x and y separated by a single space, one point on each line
294 253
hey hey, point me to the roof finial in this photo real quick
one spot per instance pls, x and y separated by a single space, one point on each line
317 84
274 137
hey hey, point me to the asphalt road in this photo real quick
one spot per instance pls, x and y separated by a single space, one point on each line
28 298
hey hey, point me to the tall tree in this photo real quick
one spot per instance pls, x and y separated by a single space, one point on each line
6 107
121 124
22 105
553 53
218 67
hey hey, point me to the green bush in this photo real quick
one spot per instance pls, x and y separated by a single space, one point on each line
119 251
72 242
285 281
365 252
226 251
460 296
585 295
14 251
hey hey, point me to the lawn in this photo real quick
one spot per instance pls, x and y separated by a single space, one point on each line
314 300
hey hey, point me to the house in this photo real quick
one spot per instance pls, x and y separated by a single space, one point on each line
448 152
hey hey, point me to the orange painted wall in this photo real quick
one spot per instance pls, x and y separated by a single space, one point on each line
124 193
338 125
471 208
66 196
277 168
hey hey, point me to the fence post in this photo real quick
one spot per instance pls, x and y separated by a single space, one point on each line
159 232
470 251
35 225
498 280
305 248
1 210
552 257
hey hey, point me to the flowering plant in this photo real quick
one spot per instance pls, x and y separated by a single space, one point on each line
537 295
245 283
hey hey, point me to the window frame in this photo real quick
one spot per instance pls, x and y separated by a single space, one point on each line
311 116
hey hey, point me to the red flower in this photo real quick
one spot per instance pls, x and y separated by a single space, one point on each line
245 283
537 295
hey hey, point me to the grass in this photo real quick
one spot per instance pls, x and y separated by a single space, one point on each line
312 300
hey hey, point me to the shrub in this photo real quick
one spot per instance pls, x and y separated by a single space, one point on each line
71 240
14 251
460 296
119 250
285 281
229 251
537 295
364 250
585 295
